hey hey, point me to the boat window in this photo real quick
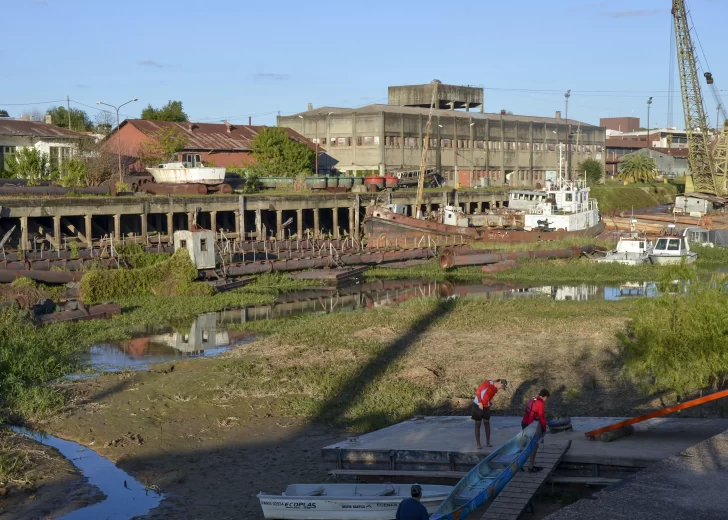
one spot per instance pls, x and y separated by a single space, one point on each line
674 244
642 245
203 244
661 244
568 197
183 243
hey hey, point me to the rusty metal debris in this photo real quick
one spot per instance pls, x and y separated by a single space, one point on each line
451 258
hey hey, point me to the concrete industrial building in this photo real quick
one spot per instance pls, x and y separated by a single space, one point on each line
466 146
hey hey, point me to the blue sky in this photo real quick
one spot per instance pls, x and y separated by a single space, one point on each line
227 59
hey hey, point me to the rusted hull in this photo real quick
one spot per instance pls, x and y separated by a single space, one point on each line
382 225
452 258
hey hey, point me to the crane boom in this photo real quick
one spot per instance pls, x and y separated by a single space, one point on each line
423 160
696 119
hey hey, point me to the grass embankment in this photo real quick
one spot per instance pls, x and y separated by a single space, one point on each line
618 197
372 368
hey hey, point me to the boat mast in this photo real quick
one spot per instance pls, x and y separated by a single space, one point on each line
423 161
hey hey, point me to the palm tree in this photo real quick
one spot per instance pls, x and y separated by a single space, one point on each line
636 167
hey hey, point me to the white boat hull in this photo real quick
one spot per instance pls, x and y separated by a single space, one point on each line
335 505
673 259
209 176
624 258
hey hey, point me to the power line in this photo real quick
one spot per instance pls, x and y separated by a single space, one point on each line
33 103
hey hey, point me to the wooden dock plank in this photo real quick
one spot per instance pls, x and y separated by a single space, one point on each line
518 493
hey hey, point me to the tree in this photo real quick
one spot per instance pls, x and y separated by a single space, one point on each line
636 167
277 155
104 121
172 111
593 169
165 143
80 121
4 113
34 114
31 164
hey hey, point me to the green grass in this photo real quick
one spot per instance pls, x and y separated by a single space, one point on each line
429 271
619 197
711 256
544 244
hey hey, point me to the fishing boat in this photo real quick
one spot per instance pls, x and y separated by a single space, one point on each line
346 501
672 248
190 171
632 249
562 210
490 476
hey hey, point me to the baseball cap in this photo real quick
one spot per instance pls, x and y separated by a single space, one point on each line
415 490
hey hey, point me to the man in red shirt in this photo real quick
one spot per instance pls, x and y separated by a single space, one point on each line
481 407
536 410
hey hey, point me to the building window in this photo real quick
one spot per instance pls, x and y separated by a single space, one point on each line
7 153
58 156
341 141
445 143
323 140
368 140
411 142
376 140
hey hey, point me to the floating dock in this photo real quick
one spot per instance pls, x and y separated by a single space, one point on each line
447 444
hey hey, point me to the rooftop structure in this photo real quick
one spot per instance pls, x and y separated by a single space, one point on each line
448 96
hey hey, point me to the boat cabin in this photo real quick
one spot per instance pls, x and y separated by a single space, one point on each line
523 199
698 236
671 245
570 196
633 244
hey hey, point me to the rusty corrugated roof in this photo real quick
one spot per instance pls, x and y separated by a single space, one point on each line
19 128
212 136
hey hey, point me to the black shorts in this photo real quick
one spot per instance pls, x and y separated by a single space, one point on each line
480 415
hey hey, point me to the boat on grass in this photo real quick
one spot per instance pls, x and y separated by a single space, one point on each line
672 248
490 476
346 501
632 249
191 171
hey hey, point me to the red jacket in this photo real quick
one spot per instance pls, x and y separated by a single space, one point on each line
485 393
536 409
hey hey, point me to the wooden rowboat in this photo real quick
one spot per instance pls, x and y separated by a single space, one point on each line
489 477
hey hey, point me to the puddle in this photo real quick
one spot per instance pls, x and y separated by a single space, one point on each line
125 497
210 333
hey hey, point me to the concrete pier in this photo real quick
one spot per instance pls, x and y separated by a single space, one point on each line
87 219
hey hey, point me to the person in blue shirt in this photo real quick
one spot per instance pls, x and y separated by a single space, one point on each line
410 508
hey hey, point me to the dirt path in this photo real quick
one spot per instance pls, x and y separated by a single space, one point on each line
208 458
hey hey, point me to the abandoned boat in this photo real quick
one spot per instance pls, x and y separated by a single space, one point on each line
346 501
489 477
563 209
189 171
632 249
672 248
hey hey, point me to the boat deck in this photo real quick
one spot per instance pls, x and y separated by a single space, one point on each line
518 493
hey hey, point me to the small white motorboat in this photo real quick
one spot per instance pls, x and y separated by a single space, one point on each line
346 501
186 172
632 249
672 248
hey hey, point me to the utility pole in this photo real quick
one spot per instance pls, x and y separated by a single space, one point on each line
649 104
68 108
566 113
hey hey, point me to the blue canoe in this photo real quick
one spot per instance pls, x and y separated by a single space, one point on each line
490 476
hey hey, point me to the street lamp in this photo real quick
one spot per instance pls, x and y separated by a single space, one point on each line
118 133
649 104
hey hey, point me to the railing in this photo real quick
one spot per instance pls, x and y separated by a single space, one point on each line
575 207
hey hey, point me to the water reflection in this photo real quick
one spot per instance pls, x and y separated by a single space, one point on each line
211 333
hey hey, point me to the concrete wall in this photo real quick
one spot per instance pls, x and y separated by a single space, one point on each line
448 96
490 147
668 164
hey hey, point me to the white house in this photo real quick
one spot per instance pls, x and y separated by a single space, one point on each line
58 143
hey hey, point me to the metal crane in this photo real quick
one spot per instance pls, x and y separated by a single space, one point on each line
702 164
720 152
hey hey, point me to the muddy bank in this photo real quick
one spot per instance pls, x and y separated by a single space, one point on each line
46 485
208 457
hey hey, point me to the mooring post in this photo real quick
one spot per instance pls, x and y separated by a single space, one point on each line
57 232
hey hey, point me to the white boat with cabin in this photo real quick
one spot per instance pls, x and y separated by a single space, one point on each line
567 206
632 249
189 171
672 248
346 501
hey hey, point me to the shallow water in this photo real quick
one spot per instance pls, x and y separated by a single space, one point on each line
125 497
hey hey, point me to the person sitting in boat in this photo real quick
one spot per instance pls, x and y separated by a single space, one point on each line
536 410
411 508
481 407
